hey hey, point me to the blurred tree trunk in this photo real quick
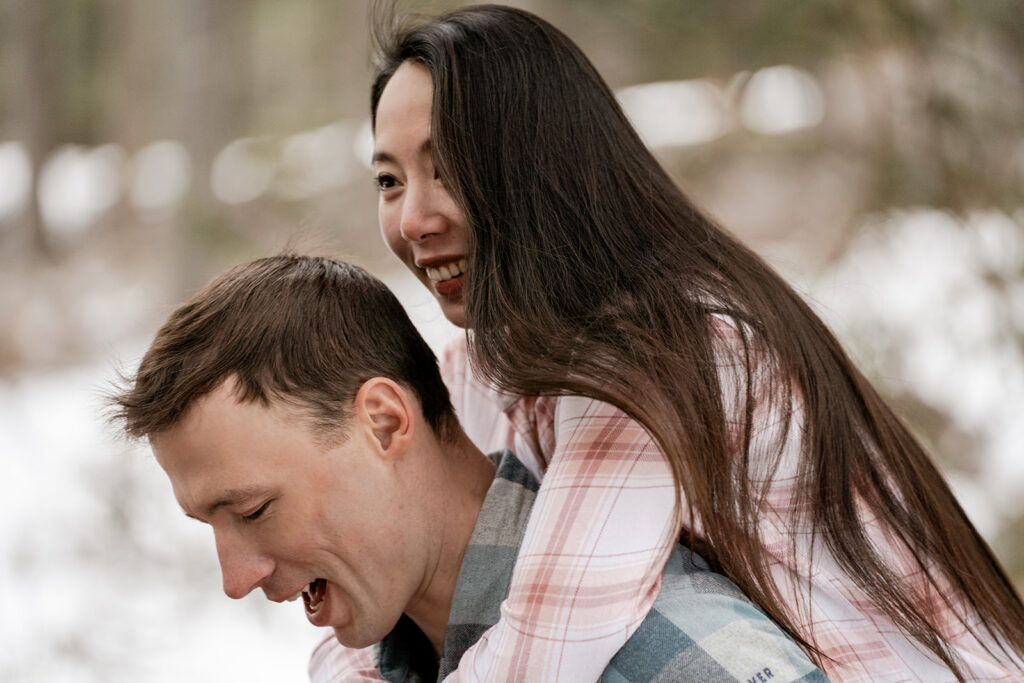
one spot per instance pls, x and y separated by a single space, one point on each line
208 80
206 108
137 58
34 94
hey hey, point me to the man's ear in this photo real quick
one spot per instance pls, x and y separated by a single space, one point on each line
383 408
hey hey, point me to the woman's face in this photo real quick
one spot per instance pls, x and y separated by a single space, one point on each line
419 220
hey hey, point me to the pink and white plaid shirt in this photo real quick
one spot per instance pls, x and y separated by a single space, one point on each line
599 536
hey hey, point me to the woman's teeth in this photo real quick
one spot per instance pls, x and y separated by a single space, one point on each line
447 272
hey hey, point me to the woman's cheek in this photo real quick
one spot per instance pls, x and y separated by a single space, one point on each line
390 232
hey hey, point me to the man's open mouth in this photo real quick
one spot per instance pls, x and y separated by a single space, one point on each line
313 595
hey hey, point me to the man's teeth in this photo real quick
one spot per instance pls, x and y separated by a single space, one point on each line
448 271
307 597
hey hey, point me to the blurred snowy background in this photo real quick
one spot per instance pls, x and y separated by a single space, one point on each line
872 151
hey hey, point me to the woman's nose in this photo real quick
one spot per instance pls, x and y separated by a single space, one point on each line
423 213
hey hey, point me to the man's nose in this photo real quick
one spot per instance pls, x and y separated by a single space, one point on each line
242 567
423 212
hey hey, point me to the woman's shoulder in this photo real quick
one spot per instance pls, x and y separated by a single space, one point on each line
479 407
556 425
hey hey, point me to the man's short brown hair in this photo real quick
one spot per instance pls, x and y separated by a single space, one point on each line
302 329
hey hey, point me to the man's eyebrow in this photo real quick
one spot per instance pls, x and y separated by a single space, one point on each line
385 157
229 497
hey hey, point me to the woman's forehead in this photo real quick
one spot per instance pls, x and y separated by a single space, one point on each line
405 105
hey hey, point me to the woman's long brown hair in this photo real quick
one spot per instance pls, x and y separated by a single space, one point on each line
592 274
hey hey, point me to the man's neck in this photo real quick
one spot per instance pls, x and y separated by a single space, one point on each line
467 475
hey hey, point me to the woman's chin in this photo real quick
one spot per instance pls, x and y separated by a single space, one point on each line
458 320
454 311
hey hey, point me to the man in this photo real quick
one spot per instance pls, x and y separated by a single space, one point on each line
296 410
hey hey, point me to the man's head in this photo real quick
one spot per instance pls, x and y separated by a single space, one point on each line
300 329
297 411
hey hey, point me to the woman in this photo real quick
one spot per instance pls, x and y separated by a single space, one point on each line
514 187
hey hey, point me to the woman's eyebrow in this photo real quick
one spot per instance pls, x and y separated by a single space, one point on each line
387 157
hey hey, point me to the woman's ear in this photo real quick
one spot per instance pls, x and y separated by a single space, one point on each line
383 408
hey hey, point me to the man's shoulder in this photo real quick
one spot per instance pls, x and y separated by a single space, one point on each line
702 627
503 517
490 557
506 509
511 469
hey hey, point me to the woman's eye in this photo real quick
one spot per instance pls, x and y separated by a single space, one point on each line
384 181
253 516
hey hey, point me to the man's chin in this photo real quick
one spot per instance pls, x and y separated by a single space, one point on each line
352 639
365 633
355 634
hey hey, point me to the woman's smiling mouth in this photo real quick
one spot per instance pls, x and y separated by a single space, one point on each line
448 271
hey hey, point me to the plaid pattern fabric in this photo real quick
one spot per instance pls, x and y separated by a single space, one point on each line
591 561
701 627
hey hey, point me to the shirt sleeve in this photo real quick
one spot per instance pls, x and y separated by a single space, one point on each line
331 662
590 565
